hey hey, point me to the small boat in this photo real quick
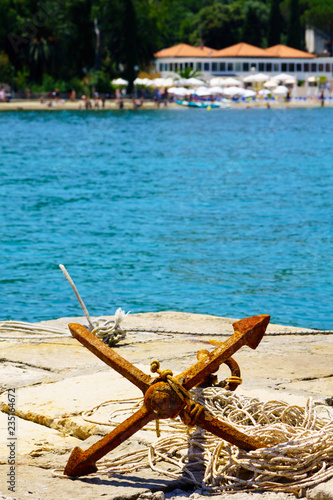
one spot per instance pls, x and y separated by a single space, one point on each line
197 104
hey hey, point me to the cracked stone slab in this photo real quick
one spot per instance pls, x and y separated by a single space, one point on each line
17 374
58 405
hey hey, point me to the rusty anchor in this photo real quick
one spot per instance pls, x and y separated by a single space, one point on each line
166 396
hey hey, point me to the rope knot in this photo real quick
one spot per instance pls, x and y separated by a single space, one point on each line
165 374
191 413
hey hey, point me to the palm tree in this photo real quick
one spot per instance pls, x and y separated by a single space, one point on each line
189 73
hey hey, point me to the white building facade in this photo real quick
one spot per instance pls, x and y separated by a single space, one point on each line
211 65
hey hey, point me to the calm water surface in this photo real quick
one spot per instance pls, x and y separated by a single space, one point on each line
224 212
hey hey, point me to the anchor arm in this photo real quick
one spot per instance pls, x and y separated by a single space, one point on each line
111 357
82 462
228 432
248 331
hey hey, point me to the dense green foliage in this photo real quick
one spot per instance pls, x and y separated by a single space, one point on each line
275 24
294 26
84 44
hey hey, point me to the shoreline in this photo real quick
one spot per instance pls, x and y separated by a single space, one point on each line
35 105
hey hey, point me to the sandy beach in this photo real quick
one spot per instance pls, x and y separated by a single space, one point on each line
35 105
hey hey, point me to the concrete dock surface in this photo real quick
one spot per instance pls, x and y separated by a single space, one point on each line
56 379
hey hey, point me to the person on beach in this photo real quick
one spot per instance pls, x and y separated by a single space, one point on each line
157 98
322 98
96 100
56 94
3 95
165 97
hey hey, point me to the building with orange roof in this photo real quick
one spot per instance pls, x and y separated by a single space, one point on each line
241 59
285 52
241 50
185 50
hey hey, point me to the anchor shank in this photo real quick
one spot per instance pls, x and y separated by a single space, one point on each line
111 357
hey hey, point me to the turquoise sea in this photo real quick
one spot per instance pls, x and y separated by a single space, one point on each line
225 212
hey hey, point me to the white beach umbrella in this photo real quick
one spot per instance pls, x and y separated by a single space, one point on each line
229 82
201 91
261 77
290 81
271 84
168 82
312 79
156 82
248 93
248 79
264 92
280 90
232 91
282 77
218 80
161 82
142 81
194 82
181 91
119 81
216 90
257 78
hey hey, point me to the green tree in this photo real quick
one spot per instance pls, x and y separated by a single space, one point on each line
294 33
275 24
129 43
174 19
254 28
6 69
218 25
320 15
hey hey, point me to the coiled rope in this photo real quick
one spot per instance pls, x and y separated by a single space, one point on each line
298 452
109 331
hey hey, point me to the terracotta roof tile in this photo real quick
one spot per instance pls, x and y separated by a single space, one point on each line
238 50
241 50
185 50
286 52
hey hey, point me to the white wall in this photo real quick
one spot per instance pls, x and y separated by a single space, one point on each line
300 68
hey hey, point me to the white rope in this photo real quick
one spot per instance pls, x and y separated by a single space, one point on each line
298 452
82 304
30 331
110 331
